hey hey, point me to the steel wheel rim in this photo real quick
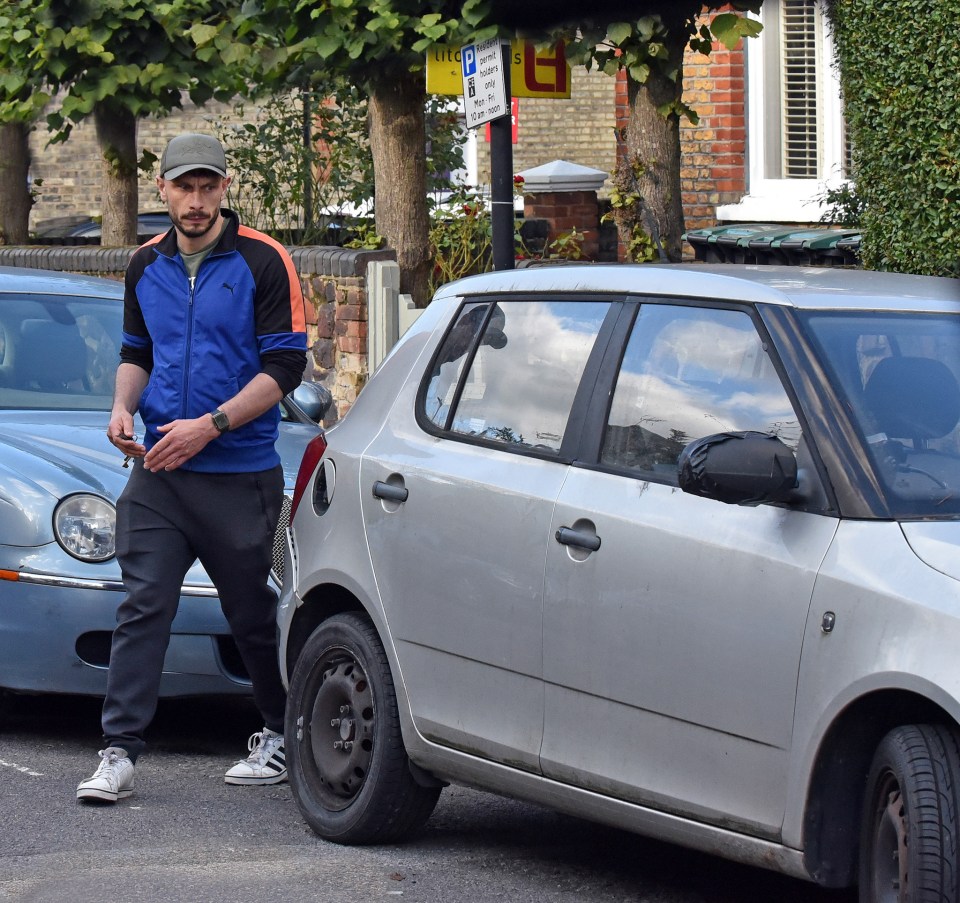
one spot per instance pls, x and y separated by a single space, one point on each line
341 729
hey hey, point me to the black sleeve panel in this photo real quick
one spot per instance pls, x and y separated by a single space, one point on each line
137 346
286 367
279 301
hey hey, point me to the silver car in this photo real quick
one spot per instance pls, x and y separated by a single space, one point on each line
60 583
672 548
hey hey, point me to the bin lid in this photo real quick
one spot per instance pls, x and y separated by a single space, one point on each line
712 234
815 239
770 238
851 241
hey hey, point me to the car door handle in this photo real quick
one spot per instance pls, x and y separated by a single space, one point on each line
389 492
569 537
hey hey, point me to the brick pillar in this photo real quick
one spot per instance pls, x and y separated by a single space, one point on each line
565 196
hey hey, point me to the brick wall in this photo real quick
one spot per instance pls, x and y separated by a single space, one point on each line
714 150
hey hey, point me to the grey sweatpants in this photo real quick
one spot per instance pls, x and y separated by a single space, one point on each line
165 522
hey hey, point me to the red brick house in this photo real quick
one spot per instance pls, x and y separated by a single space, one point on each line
770 139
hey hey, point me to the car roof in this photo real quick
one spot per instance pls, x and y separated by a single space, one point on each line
814 288
25 280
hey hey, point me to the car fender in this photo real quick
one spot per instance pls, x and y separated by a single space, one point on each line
858 609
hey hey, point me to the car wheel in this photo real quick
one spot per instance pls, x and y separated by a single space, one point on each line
908 845
346 761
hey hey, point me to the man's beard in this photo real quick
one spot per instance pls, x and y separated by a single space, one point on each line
200 227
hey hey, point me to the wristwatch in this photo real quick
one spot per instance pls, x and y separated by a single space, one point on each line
220 420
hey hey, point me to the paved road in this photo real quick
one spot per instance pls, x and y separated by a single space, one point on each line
186 837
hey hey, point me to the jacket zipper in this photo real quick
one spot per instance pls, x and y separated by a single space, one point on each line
189 348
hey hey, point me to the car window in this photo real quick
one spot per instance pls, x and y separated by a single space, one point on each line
508 372
899 377
688 373
59 352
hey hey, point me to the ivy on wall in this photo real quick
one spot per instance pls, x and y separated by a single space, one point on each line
900 72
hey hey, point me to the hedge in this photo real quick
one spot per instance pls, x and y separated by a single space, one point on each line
900 74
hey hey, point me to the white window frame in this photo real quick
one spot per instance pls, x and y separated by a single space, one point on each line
788 200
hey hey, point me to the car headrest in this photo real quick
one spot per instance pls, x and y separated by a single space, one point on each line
913 397
49 354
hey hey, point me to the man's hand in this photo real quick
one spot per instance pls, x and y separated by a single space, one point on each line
182 439
120 433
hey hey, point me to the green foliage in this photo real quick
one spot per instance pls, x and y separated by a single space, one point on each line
364 39
133 55
844 206
899 98
461 238
297 159
364 236
21 94
302 166
653 43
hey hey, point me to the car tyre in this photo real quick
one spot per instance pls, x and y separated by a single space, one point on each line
909 835
347 764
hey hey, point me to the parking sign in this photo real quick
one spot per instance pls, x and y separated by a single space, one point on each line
484 82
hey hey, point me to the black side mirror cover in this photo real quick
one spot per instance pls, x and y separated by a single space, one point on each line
738 468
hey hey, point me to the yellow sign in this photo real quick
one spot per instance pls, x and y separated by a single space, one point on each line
533 73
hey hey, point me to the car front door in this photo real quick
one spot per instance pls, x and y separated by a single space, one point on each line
673 624
458 491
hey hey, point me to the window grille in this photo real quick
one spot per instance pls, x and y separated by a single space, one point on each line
799 89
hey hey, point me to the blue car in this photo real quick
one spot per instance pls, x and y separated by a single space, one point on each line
59 480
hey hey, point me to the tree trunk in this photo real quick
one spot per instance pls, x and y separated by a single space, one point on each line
398 143
650 222
15 200
117 136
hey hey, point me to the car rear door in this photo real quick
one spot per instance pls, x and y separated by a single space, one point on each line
673 624
458 491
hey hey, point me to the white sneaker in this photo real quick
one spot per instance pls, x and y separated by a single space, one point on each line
266 763
112 780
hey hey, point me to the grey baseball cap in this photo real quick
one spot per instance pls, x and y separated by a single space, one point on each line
192 151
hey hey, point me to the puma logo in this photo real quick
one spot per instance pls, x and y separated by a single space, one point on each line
229 286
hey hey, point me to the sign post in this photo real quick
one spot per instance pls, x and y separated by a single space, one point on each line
486 98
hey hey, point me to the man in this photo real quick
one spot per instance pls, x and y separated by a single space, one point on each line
213 338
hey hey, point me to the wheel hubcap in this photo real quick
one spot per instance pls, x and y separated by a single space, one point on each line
341 734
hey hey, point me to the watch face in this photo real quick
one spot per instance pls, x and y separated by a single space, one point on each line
221 421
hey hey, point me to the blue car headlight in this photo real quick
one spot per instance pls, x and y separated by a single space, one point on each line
86 527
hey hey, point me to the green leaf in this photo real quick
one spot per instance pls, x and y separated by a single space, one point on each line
618 32
729 28
203 34
639 72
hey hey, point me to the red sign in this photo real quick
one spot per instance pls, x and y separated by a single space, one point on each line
514 119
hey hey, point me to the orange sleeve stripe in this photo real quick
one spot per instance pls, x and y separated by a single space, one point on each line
297 314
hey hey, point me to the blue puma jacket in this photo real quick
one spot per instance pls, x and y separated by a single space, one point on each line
202 343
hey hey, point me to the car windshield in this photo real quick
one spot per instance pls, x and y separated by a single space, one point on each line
57 352
899 374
